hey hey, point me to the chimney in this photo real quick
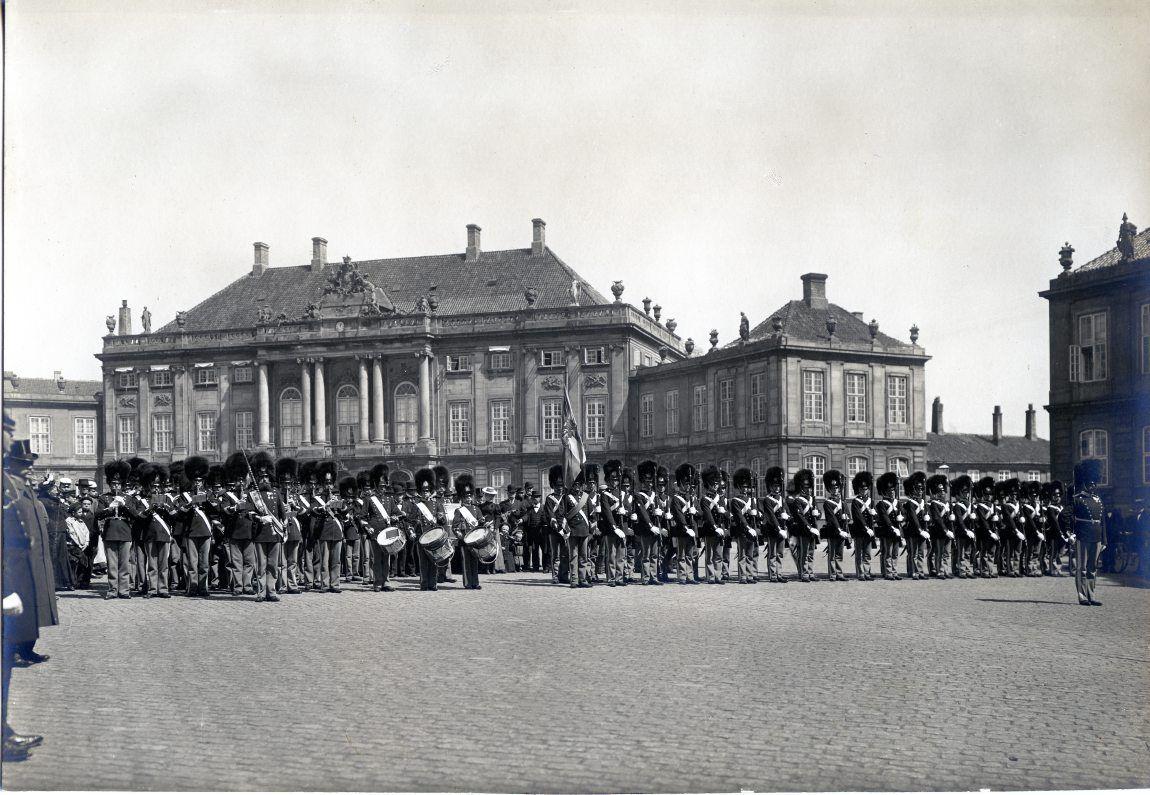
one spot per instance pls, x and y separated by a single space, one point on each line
936 416
260 262
473 242
996 431
859 315
125 318
815 290
538 236
1031 425
318 254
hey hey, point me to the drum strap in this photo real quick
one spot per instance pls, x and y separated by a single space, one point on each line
379 507
423 509
468 516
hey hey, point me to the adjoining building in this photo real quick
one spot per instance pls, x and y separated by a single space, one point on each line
813 385
1100 366
995 454
62 419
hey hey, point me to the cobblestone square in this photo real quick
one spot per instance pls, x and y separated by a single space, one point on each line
1003 684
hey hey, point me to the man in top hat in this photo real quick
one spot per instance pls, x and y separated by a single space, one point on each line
712 530
745 524
426 512
917 531
264 510
287 472
836 527
986 534
964 525
613 518
466 519
578 514
939 519
805 515
160 515
553 505
30 513
116 529
1089 529
862 523
775 523
536 530
1057 527
889 523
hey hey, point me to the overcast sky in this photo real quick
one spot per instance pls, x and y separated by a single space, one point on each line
931 163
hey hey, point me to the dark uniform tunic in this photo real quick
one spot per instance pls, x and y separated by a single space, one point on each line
862 529
1090 533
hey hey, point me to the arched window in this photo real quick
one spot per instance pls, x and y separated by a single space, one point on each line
346 414
1095 443
498 479
291 418
898 465
856 464
406 413
817 464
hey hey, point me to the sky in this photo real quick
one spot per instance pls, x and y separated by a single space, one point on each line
930 158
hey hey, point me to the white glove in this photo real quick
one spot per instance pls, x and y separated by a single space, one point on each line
13 605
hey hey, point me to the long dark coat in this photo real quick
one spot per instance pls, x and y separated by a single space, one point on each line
27 561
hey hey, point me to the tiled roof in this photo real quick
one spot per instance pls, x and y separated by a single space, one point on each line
973 448
807 323
494 283
1112 257
16 387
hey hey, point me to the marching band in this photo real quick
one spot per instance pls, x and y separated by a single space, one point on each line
254 526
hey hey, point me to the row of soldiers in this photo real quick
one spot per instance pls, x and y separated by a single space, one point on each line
282 527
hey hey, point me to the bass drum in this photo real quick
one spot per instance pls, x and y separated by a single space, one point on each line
483 543
438 543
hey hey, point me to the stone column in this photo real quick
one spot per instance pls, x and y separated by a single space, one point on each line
364 425
424 394
111 449
320 435
305 393
265 431
379 436
143 413
181 411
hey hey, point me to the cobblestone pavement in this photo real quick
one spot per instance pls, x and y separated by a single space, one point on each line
1004 684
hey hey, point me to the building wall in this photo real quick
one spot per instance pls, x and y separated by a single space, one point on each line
61 412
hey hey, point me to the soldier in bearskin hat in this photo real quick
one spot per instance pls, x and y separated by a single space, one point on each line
745 514
467 518
776 523
1089 529
862 523
631 542
1034 528
804 518
407 561
647 524
426 512
1012 532
836 527
116 529
237 548
199 510
613 519
265 511
963 525
577 524
329 514
553 507
986 529
287 473
683 536
1057 527
916 531
711 526
380 515
889 523
160 514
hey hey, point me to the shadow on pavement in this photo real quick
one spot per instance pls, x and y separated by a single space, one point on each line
1027 602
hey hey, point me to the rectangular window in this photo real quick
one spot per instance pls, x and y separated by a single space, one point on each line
552 358
500 361
162 433
126 434
1095 443
500 421
899 466
671 410
856 464
552 419
1004 474
813 397
896 399
1033 475
40 435
647 415
726 403
458 363
1092 347
161 378
204 376
974 474
84 435
595 355
245 434
595 411
206 431
817 464
699 408
856 397
242 374
459 416
126 380
1146 338
499 478
758 398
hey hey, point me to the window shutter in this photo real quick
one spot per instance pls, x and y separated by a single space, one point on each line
1075 364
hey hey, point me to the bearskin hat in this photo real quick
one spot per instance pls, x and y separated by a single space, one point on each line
119 470
379 474
425 478
612 469
287 469
151 474
684 473
862 480
888 481
134 464
363 479
217 476
1049 490
347 486
307 471
744 478
775 477
195 466
176 474
986 486
935 482
1012 485
961 484
915 480
591 473
1001 489
662 475
464 485
326 472
712 477
262 462
647 471
442 477
832 478
627 476
803 476
1089 469
555 476
236 466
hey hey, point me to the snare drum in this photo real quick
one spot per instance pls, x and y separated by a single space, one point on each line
483 543
392 539
437 543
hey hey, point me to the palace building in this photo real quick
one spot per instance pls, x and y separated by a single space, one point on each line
61 418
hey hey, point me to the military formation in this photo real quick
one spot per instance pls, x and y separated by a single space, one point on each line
261 527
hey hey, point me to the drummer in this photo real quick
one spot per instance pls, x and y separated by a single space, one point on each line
426 513
465 521
380 509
